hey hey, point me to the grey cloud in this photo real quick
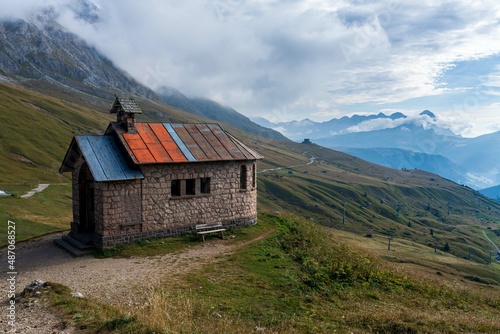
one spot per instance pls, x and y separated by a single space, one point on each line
286 58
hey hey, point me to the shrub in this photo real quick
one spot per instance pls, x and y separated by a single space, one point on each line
326 262
446 247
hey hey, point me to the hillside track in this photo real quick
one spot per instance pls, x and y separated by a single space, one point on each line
41 187
492 242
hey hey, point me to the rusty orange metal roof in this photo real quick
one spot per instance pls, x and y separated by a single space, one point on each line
176 143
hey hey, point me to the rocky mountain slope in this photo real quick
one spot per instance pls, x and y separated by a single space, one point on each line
43 56
213 110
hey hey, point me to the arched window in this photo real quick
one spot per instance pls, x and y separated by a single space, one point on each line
243 177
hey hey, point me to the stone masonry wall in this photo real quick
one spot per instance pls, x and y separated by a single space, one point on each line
118 211
139 209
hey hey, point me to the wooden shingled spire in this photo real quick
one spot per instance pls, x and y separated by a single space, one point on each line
126 109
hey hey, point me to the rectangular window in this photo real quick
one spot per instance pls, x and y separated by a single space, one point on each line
176 188
191 187
205 185
254 176
243 177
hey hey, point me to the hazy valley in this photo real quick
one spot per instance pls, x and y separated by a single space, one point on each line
403 142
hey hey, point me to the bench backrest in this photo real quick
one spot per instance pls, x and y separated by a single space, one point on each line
208 226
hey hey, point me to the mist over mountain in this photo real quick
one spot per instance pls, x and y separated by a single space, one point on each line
213 110
40 54
306 128
400 141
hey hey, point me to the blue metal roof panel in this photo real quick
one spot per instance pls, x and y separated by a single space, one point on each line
89 155
105 160
185 150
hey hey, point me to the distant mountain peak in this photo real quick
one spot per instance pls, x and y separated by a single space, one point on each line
397 115
428 113
87 11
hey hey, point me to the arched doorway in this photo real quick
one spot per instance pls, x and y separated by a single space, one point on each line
87 200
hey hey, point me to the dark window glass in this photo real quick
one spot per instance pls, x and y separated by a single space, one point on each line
190 187
254 176
176 187
243 177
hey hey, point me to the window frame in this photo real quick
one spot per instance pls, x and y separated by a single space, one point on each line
190 188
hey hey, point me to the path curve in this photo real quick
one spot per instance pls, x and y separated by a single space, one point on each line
41 187
312 159
492 242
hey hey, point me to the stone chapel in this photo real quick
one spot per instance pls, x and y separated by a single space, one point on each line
147 180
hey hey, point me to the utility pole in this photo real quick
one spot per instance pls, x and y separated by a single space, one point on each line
435 247
389 244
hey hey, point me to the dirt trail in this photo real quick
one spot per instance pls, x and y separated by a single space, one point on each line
41 187
492 242
119 281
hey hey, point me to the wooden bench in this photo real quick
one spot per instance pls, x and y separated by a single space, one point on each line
202 229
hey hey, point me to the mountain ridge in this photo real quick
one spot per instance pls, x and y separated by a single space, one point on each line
473 159
43 56
213 110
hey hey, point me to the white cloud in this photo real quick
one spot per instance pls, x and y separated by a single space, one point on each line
288 60
387 123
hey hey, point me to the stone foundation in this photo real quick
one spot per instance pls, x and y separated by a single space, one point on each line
116 240
132 210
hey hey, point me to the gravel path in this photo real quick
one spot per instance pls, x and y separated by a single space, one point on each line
113 281
41 187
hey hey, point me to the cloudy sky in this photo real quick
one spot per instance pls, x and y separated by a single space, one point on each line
320 59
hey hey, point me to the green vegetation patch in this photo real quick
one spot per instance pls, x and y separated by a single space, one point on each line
287 275
301 280
45 212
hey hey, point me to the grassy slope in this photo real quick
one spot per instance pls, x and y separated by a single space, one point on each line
36 132
38 129
372 195
301 278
